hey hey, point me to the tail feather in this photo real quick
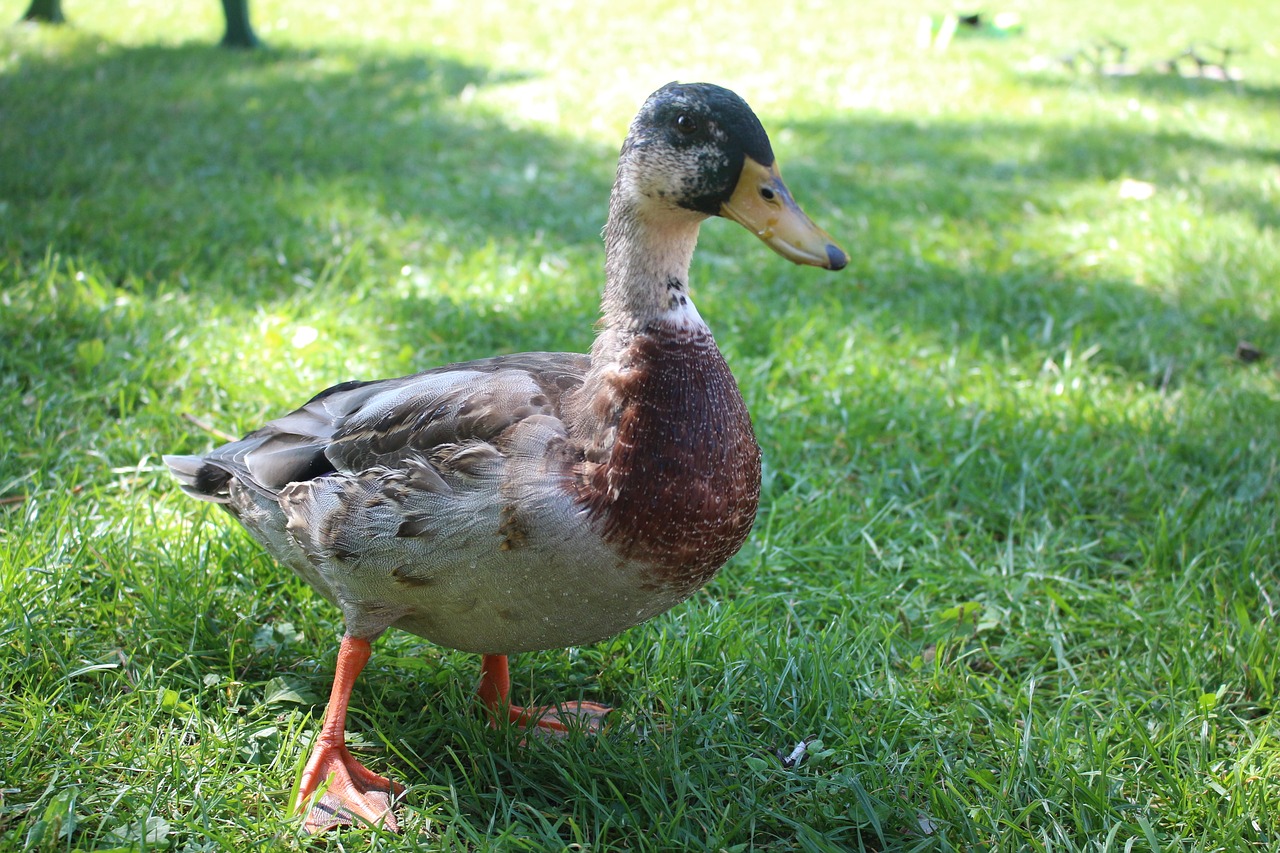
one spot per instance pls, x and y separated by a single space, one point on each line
200 479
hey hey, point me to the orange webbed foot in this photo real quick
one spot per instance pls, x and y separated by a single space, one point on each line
548 720
559 720
350 793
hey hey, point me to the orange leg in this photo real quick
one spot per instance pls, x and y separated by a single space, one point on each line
495 687
354 792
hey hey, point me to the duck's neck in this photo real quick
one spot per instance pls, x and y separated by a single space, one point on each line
646 293
667 465
647 267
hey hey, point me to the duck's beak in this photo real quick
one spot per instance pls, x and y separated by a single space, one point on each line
763 205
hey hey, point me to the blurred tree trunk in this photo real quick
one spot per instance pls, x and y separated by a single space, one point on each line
49 11
239 32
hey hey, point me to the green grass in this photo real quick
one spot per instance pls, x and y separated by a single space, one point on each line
1016 564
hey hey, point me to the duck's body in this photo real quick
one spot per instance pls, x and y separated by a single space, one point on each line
541 500
458 505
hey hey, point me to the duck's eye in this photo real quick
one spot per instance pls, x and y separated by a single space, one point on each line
686 124
767 193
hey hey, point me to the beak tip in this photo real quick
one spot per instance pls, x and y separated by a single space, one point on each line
836 258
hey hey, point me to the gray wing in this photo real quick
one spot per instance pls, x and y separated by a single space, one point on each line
391 423
375 492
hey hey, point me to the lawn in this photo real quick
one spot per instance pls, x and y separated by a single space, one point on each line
1016 565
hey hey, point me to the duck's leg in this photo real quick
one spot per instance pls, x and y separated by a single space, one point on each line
354 792
495 687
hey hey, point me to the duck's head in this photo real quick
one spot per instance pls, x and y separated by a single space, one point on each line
698 149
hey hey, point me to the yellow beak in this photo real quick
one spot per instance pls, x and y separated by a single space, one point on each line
763 205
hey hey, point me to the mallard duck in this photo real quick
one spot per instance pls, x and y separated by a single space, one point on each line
532 501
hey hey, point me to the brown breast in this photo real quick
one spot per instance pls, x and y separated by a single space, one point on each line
680 486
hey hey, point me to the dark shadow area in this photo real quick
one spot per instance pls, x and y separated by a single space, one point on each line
289 152
945 223
310 137
246 179
958 169
1164 86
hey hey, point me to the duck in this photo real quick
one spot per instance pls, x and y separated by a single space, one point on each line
540 500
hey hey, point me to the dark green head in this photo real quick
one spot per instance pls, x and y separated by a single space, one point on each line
706 126
698 148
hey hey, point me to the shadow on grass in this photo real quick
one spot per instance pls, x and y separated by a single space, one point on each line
994 169
953 238
133 156
1149 84
182 162
244 178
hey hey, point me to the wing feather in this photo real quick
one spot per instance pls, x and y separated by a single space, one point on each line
448 413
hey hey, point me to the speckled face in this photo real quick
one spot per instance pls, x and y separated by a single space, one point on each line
692 140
